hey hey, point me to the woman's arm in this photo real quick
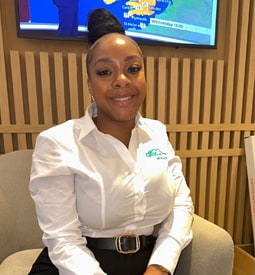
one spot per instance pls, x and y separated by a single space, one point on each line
175 231
52 188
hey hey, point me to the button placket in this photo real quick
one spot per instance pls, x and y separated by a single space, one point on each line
140 201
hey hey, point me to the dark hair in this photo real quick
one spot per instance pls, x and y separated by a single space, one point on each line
101 22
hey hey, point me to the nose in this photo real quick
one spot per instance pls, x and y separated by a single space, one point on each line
121 80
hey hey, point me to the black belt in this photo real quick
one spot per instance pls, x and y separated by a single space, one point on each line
125 244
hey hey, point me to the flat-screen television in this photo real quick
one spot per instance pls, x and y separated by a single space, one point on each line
179 23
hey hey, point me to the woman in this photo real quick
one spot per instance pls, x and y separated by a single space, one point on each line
105 183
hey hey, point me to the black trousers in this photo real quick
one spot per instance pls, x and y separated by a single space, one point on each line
112 263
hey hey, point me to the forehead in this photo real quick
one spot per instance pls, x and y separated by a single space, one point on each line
114 45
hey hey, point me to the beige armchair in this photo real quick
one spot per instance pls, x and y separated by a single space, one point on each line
210 252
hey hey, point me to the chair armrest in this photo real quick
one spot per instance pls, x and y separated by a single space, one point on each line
211 251
19 228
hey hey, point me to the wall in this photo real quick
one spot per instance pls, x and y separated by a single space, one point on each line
205 97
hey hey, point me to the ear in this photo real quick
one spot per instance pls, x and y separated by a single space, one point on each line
90 87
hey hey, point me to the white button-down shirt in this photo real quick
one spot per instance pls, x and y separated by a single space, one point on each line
86 183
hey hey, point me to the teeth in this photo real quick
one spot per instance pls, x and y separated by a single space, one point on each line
122 98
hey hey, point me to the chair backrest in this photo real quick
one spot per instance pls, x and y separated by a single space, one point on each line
18 222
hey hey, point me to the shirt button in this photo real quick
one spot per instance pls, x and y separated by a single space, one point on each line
139 194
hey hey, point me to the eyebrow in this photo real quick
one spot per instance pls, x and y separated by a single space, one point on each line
130 57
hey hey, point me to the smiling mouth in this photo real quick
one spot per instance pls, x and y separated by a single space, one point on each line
120 99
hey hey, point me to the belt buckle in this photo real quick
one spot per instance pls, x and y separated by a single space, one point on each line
119 246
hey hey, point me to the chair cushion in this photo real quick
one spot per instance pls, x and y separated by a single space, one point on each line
19 263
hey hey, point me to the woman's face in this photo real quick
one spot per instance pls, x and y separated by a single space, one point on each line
116 78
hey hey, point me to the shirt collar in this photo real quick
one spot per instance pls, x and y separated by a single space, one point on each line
87 124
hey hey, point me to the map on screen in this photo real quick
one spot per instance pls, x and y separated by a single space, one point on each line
168 21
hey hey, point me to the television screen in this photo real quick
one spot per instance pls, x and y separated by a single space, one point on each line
160 22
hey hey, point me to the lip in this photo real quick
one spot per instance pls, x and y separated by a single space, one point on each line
124 100
121 99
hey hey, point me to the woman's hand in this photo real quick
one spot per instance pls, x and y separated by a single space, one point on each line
154 270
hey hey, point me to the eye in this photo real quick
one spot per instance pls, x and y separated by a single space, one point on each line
103 72
133 69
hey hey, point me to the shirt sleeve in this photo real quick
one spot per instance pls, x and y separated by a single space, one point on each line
175 232
52 189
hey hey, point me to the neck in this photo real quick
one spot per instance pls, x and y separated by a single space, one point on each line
121 130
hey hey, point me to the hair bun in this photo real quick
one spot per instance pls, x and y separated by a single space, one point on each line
101 22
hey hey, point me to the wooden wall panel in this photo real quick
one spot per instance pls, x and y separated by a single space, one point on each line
207 104
215 170
60 87
32 97
5 138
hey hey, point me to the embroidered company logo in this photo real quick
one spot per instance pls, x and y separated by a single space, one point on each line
156 153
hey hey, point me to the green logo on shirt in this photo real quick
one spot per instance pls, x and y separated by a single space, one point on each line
156 153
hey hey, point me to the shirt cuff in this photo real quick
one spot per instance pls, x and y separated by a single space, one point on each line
166 254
